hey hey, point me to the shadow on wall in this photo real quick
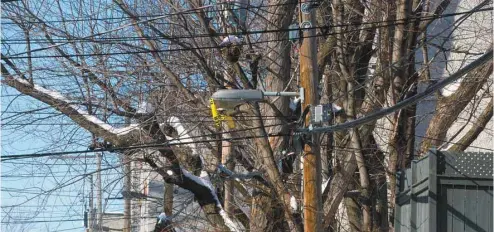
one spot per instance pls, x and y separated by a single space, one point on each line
438 34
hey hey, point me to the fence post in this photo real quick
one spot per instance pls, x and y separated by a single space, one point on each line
413 199
432 199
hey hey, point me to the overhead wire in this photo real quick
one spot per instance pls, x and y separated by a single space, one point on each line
220 34
363 84
249 7
114 149
42 221
150 145
342 126
406 102
17 56
145 51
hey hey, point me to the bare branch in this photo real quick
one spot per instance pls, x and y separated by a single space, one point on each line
475 130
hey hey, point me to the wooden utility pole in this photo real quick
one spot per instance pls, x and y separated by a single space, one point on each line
312 157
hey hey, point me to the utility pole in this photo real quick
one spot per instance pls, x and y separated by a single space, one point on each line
312 157
227 146
91 207
99 199
127 185
90 214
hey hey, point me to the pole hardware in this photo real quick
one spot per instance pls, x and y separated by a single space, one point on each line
323 113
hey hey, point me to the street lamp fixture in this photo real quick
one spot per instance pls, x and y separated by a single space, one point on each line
228 99
225 101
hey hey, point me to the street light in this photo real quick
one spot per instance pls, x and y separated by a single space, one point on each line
228 99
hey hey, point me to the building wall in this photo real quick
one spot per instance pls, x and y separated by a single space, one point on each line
144 211
187 214
467 42
113 221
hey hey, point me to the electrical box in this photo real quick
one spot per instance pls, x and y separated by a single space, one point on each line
293 33
320 114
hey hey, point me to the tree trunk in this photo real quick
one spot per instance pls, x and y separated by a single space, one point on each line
364 181
168 199
227 159
475 130
353 214
449 108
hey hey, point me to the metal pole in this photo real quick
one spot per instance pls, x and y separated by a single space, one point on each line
91 207
99 199
127 201
282 94
312 157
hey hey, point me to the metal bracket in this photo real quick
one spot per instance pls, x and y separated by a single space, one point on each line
301 95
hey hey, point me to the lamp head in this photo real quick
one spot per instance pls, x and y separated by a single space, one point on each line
229 99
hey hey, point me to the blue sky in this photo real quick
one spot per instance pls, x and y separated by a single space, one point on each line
32 185
29 182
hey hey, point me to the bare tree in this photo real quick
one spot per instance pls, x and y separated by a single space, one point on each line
155 64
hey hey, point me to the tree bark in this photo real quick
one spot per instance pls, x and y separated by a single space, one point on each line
364 181
475 130
227 159
448 108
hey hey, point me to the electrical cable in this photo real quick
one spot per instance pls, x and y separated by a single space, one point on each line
17 56
475 9
119 28
168 143
218 34
405 103
150 15
159 146
40 221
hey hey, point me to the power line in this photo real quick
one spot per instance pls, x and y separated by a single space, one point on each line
137 38
172 50
147 51
119 28
405 103
249 7
168 143
477 8
362 120
161 146
17 56
45 221
218 34
127 25
75 124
